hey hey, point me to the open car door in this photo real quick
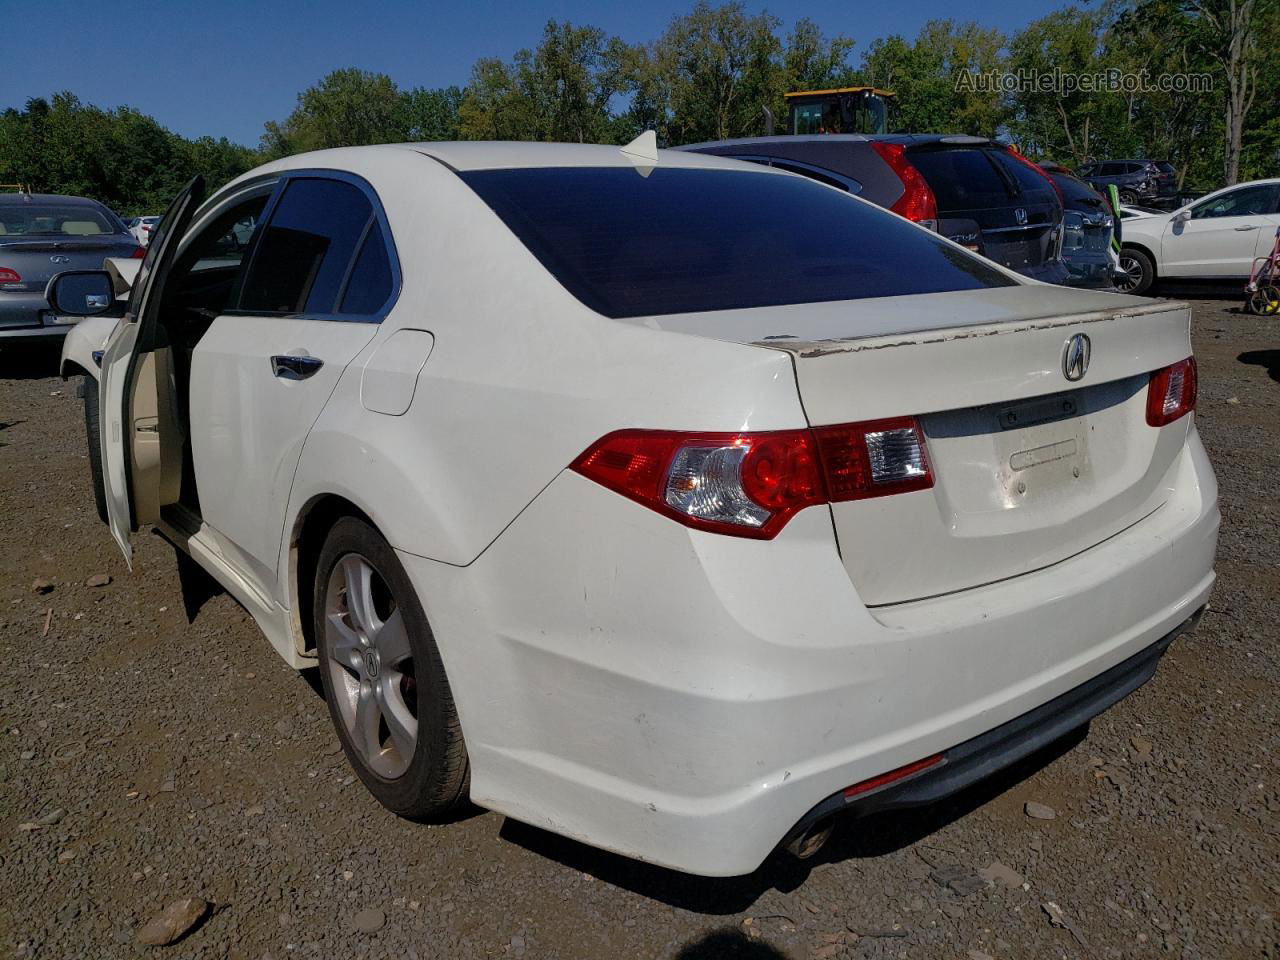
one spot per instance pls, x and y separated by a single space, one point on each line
141 444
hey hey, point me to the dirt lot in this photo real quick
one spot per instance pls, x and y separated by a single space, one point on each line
186 759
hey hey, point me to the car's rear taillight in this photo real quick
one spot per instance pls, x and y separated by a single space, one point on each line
138 253
917 201
873 459
1172 392
9 276
751 484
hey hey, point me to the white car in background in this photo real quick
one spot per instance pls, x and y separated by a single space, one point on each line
1213 238
141 228
668 502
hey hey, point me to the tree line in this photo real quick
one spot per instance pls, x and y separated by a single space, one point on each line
719 71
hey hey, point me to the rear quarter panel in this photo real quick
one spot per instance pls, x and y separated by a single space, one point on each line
520 380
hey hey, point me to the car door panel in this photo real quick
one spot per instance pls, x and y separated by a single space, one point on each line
141 445
320 275
248 424
1218 245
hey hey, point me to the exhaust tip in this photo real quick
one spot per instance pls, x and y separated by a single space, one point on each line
806 844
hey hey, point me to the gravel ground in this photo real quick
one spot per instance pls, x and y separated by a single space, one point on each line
170 757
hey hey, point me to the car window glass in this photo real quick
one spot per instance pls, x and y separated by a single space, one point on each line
225 242
689 240
56 220
1035 186
962 179
306 248
205 273
370 284
1244 202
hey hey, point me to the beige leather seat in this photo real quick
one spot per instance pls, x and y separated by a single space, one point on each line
81 228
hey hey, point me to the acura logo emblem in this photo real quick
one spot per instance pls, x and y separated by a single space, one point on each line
59 258
1075 357
1020 215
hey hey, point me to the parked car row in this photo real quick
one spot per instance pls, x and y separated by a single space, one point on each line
981 194
672 503
42 235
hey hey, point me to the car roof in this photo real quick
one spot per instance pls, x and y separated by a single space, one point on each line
13 199
466 156
956 139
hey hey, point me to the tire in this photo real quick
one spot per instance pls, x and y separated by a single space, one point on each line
1128 198
370 664
1138 272
1265 301
91 429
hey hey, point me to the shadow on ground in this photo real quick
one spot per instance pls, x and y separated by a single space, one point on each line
732 944
1268 359
854 838
30 362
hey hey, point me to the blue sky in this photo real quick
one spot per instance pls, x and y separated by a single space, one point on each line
225 68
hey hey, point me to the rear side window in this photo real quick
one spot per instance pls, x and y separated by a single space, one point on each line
369 287
304 253
684 241
962 179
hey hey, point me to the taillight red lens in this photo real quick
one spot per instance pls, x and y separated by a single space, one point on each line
1172 392
917 201
9 276
874 458
138 253
751 484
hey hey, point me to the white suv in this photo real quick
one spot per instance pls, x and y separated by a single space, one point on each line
668 502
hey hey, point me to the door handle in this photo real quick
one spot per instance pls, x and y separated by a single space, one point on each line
1247 226
290 367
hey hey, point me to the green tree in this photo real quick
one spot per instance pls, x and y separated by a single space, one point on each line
935 77
561 91
430 114
1049 122
347 108
719 68
1229 31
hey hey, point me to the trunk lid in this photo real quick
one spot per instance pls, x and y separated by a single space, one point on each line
38 260
1029 469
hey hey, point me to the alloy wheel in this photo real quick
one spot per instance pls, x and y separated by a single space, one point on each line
1130 274
371 666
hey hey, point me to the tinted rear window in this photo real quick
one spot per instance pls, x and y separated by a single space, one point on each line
962 179
1076 192
56 220
1034 185
683 241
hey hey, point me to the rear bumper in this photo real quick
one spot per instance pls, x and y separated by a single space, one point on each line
22 316
988 753
1090 272
1051 271
688 699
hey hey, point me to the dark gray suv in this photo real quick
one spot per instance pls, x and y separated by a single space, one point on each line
1137 181
972 190
42 235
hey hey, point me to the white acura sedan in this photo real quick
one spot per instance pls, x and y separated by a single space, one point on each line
667 502
1214 238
